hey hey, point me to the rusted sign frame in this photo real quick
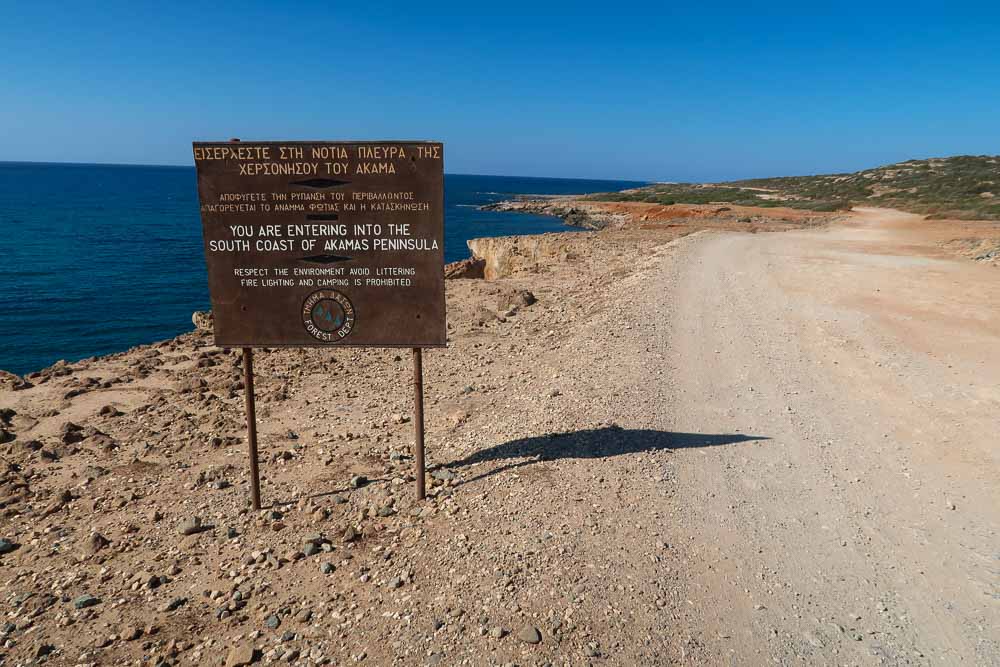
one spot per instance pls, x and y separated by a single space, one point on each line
391 318
250 398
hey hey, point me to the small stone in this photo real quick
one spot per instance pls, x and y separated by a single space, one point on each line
6 546
44 650
192 525
273 621
131 633
240 656
304 616
351 534
173 605
327 568
71 433
498 633
396 583
85 601
310 549
338 499
358 481
444 474
386 511
529 635
96 542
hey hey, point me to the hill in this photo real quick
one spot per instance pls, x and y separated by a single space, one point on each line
966 187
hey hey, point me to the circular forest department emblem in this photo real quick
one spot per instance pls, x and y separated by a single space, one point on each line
328 316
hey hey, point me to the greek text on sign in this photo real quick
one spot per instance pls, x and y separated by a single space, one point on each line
322 243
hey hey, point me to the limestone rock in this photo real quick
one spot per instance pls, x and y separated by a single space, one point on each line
203 321
96 542
471 268
529 635
244 654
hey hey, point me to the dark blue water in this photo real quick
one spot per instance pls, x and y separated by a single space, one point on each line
99 258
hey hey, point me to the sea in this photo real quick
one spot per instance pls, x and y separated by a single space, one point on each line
97 259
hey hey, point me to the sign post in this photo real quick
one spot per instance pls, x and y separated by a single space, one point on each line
251 427
418 420
324 244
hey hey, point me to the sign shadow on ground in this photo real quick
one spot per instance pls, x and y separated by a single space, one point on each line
592 444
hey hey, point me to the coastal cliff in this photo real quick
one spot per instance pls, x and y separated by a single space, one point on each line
510 255
500 257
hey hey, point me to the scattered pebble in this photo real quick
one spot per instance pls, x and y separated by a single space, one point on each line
529 635
85 601
192 525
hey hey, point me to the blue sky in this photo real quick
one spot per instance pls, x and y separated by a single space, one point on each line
682 91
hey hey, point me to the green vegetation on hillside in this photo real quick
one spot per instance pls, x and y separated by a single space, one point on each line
965 187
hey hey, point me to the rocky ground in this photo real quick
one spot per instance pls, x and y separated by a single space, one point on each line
604 489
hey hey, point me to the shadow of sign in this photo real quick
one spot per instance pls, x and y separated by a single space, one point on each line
592 444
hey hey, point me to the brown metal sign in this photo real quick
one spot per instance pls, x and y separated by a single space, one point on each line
322 243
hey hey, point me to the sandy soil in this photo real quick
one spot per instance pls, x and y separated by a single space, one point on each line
727 448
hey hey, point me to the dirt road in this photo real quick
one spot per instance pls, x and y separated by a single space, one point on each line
860 524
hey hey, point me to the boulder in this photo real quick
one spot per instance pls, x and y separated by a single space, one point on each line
472 268
13 382
240 656
203 321
514 300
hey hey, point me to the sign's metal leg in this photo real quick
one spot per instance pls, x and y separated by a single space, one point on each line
418 421
251 427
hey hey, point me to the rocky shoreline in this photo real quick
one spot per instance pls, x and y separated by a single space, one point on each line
572 211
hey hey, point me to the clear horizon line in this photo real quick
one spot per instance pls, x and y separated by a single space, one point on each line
191 166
